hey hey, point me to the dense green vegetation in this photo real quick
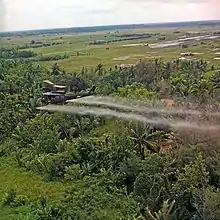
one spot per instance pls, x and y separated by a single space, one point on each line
63 166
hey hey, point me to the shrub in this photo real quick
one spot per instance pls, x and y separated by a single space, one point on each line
9 197
73 172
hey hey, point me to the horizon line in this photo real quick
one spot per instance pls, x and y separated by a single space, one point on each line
110 25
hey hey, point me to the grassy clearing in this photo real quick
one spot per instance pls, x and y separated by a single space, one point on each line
8 213
26 183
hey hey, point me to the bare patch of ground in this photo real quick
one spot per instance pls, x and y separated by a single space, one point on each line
134 45
121 58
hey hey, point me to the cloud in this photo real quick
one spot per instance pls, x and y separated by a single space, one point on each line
167 1
71 8
2 15
103 11
27 14
86 10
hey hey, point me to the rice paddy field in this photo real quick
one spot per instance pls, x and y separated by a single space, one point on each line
118 47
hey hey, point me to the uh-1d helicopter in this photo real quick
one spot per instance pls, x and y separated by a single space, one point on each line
57 94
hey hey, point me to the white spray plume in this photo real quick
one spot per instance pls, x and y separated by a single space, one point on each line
177 124
134 105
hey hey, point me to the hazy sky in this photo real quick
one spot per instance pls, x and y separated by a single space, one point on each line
34 14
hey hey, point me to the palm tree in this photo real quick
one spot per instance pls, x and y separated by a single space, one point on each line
145 139
176 64
167 70
99 69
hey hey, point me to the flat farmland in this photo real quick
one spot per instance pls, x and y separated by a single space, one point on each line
119 47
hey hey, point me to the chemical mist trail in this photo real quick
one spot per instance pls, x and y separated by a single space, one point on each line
127 116
126 104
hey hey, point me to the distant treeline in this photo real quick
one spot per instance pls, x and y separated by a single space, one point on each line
15 53
130 37
50 58
57 57
12 53
37 44
140 35
108 28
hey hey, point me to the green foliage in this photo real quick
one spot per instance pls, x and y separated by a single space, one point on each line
150 185
25 216
110 83
8 53
145 139
73 172
194 175
164 213
210 208
128 172
136 90
39 133
95 155
52 166
92 202
114 169
191 181
9 197
12 199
